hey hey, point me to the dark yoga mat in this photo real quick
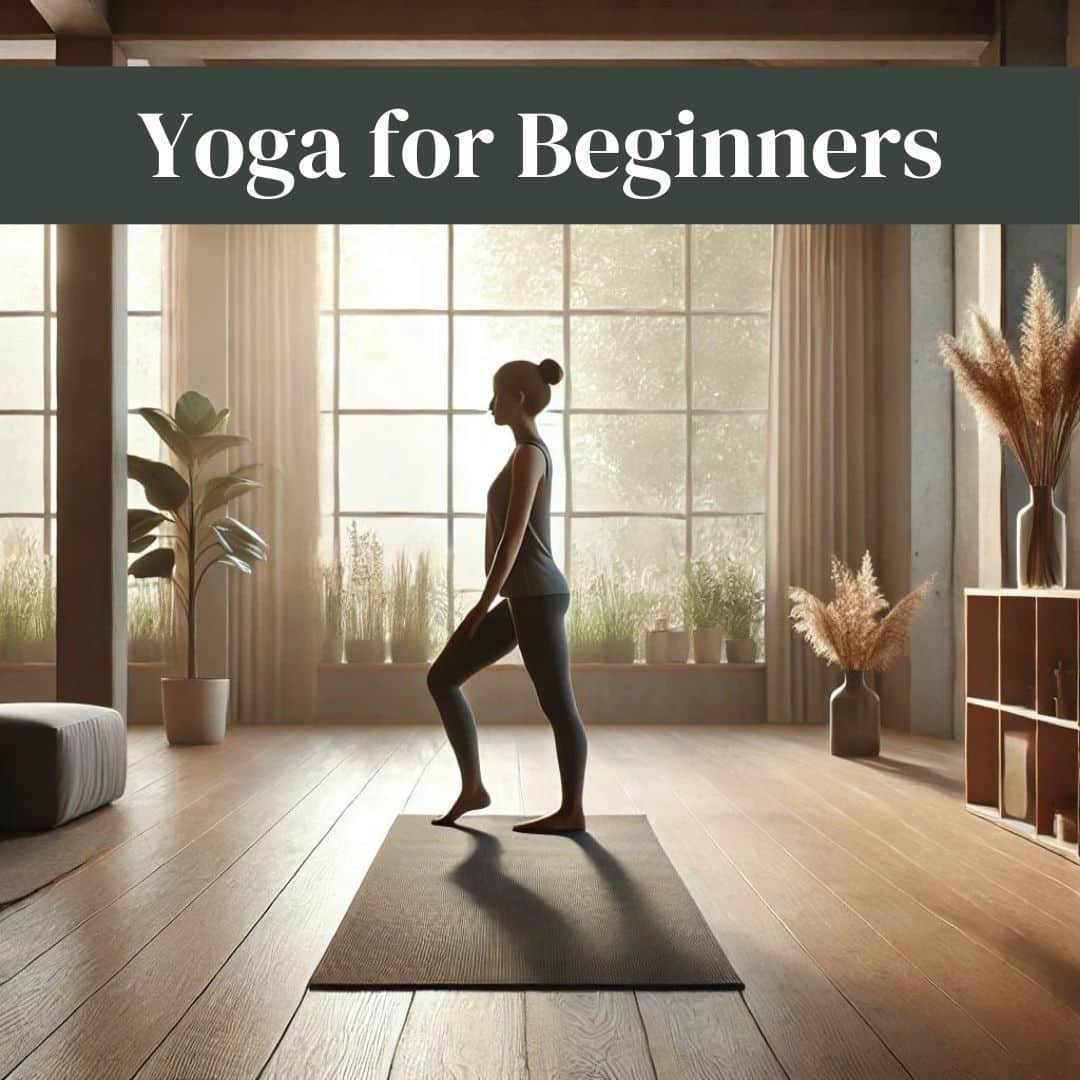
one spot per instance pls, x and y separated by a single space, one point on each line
480 906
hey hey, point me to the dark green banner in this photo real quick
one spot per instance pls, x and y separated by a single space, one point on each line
612 144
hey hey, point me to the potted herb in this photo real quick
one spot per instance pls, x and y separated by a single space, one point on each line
333 612
621 614
663 643
857 632
149 619
584 630
365 599
413 609
704 608
741 597
195 535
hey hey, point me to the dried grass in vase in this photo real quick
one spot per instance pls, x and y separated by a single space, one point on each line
1034 405
856 630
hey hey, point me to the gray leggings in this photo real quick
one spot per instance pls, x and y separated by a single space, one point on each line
537 625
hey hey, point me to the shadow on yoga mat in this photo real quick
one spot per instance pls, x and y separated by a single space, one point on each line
480 906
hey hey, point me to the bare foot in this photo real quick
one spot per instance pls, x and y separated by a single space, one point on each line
475 799
561 821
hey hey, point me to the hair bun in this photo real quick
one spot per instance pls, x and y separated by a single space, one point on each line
550 371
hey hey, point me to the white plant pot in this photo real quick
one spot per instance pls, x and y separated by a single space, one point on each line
195 710
708 644
667 646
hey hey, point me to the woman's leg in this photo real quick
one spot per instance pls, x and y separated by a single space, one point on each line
541 633
461 658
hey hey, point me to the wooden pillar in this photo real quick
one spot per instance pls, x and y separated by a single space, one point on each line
91 549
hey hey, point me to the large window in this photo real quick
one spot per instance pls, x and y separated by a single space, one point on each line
658 432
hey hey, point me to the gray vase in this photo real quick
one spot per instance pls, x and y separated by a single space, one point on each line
854 718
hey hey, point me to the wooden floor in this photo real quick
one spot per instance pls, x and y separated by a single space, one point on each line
880 929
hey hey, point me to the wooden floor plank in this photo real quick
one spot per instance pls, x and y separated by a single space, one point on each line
705 1037
63 906
586 1036
341 1036
962 1014
238 1020
183 921
463 1035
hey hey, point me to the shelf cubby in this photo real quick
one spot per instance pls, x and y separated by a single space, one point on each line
1014 641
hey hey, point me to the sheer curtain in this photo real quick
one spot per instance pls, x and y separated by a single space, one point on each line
822 418
269 346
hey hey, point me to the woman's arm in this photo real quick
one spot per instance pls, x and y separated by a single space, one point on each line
526 472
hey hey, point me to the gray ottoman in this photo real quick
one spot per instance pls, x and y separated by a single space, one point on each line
58 761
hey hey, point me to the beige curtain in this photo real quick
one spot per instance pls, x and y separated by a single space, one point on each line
269 347
822 406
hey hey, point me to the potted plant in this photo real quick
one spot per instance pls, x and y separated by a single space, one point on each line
19 586
333 612
145 629
413 609
741 597
1034 406
857 632
703 602
584 628
41 643
621 614
365 599
196 535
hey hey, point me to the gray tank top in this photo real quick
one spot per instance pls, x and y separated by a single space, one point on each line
534 572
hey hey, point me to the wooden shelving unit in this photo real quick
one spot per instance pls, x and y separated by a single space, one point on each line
1014 641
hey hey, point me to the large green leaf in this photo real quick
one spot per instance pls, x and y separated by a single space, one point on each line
235 561
141 522
240 531
208 446
195 415
222 489
246 472
169 433
158 563
141 544
165 488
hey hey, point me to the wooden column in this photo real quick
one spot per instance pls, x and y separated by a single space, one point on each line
91 563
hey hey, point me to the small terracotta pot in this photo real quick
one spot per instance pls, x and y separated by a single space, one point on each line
195 710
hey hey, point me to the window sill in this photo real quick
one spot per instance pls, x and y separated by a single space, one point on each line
575 666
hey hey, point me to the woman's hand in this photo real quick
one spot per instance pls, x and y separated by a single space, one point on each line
475 616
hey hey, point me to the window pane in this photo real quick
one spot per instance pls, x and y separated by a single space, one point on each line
508 266
626 266
628 362
413 536
393 362
22 450
646 552
729 463
481 449
52 465
393 266
393 463
629 463
22 346
742 537
17 533
144 362
22 268
326 267
483 343
731 361
326 361
144 267
732 267
326 464
52 361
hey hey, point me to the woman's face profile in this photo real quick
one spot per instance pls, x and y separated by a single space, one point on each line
505 405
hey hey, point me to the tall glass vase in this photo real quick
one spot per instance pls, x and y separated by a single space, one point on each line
854 718
1040 542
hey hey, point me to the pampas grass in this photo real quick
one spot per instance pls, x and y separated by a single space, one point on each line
856 630
1033 403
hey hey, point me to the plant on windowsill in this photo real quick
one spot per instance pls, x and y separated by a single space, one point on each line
741 597
704 608
196 535
333 612
365 599
149 620
621 607
585 628
27 614
857 632
414 608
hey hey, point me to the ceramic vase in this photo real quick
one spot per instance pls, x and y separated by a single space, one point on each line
708 644
854 718
1040 542
195 710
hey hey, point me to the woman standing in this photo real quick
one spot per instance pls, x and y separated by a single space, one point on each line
520 567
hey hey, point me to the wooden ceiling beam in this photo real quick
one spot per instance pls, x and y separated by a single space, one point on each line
75 18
